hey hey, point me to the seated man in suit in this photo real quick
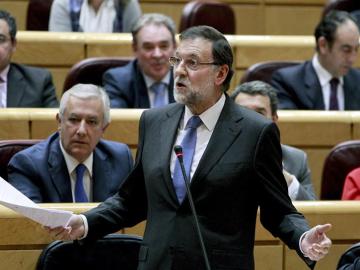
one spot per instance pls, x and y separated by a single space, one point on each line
147 81
21 86
74 164
328 81
261 97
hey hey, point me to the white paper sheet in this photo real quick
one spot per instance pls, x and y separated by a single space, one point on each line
15 200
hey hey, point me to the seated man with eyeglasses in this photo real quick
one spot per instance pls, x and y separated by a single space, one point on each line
20 85
147 81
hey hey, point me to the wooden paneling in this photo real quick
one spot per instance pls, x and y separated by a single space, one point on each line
254 17
21 240
285 20
49 49
316 132
14 124
17 8
309 128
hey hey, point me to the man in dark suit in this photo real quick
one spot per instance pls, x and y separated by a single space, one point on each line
235 167
47 171
147 81
20 85
261 97
328 81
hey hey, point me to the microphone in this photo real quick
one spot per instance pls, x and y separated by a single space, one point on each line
179 154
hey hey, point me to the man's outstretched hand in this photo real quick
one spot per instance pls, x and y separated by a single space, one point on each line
315 244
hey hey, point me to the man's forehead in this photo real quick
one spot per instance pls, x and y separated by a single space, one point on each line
4 27
147 33
195 47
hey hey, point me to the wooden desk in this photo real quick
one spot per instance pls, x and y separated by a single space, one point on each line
60 51
316 132
22 240
253 17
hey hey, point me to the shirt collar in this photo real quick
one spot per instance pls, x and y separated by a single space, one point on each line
323 75
150 81
72 163
208 117
4 73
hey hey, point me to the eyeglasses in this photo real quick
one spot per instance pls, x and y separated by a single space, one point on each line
190 63
3 39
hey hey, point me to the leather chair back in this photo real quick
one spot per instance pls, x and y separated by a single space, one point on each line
208 12
263 71
114 251
350 259
91 70
346 5
38 14
8 148
341 160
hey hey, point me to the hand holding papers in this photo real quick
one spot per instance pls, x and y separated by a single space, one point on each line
15 200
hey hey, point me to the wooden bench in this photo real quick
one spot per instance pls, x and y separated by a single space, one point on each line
21 240
254 17
316 132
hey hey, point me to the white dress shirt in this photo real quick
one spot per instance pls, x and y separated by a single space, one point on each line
3 87
324 79
101 21
209 119
149 82
71 164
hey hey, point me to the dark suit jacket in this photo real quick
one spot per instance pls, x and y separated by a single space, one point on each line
127 89
240 170
295 162
40 171
30 87
299 88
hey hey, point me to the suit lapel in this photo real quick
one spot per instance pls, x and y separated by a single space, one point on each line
313 90
227 129
169 125
16 87
141 94
101 176
58 172
351 94
171 87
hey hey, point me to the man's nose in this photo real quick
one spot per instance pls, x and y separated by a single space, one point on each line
157 52
82 128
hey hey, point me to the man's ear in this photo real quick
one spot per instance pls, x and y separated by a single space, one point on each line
104 129
275 117
58 119
221 74
134 47
14 44
323 45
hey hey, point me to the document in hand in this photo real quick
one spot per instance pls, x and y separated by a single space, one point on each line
15 200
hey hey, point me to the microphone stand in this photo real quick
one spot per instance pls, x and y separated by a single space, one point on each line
179 155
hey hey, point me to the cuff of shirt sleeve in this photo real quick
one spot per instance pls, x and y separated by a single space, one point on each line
293 189
86 227
300 240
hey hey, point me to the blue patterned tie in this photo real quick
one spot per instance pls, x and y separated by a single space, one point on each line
188 144
80 195
159 89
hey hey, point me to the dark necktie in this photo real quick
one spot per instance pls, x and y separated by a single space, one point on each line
2 93
334 105
159 89
188 144
80 194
